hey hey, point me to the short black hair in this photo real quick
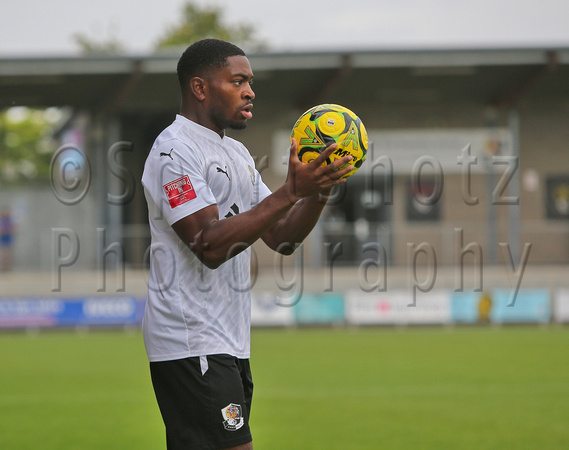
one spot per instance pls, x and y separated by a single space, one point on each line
203 56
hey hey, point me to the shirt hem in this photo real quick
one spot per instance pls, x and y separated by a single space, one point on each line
175 356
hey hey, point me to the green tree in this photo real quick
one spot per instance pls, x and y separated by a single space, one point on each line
26 146
199 23
105 45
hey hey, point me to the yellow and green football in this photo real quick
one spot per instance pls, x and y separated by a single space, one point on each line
323 125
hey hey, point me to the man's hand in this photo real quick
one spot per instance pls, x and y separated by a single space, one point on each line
307 179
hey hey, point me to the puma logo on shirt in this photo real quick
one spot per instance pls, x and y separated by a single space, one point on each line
220 170
169 155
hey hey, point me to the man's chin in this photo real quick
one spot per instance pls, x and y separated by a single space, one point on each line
238 125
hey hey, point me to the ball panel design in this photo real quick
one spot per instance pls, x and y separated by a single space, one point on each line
326 124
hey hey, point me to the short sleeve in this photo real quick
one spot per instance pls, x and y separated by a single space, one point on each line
175 178
261 190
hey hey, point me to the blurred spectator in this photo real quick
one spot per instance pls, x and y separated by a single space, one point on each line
484 308
6 240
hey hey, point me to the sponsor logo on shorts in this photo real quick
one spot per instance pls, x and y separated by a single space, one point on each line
233 417
179 191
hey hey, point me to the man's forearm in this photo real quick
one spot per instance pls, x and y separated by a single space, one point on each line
297 224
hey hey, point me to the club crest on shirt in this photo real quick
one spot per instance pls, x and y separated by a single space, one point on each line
179 191
233 417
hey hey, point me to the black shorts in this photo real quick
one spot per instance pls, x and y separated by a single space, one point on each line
204 411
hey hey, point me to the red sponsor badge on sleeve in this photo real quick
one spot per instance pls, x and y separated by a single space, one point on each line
179 191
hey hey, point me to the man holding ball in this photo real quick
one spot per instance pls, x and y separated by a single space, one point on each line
207 204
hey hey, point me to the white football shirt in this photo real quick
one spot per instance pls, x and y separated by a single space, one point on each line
192 310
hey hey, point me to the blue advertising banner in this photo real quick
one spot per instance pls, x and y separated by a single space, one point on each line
464 307
495 306
320 309
530 305
71 312
499 306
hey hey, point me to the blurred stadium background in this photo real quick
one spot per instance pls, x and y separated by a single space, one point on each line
460 216
465 187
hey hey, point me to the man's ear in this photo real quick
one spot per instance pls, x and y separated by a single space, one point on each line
198 88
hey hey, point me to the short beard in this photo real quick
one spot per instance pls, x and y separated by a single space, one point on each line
223 123
238 125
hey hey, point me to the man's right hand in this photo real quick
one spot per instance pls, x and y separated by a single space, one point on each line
307 179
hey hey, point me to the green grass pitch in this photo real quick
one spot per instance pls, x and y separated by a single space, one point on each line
322 388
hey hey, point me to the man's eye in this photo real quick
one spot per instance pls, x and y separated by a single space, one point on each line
238 82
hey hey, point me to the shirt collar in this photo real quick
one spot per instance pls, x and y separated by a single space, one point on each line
199 129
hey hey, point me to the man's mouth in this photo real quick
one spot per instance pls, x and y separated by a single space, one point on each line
247 111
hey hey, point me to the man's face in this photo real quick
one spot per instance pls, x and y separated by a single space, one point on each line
231 95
